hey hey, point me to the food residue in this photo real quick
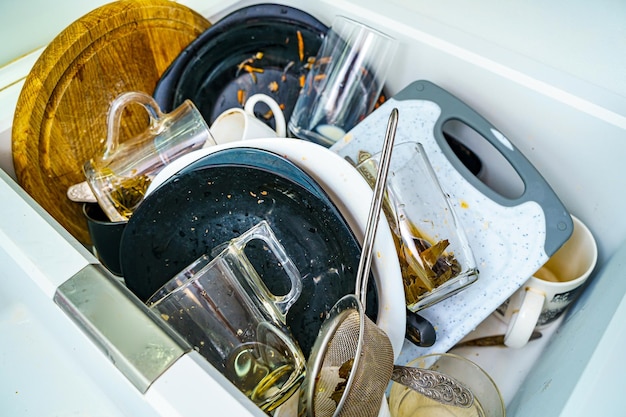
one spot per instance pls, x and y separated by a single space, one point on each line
283 77
300 45
128 193
241 96
344 373
250 60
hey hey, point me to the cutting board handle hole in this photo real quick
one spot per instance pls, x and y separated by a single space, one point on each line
482 159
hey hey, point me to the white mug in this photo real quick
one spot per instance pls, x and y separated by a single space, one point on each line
546 295
241 124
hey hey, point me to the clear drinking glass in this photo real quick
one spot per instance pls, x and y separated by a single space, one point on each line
344 83
435 256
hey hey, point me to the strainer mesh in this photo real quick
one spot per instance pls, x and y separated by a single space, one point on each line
372 372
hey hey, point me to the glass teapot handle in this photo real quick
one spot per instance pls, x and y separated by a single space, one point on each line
115 116
263 231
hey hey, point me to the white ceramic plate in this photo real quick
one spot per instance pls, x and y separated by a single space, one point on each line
352 196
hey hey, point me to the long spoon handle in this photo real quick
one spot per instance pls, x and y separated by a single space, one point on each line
373 217
434 385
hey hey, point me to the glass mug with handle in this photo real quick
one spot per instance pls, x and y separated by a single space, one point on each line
226 312
121 173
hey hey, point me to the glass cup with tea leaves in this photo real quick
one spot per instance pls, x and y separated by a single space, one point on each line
435 257
121 173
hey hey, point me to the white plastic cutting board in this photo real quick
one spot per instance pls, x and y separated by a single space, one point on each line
510 238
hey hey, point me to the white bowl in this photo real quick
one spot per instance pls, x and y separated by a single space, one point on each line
352 196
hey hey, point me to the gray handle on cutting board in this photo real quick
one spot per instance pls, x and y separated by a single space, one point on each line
559 225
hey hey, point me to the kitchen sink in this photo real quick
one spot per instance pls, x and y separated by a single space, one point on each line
564 107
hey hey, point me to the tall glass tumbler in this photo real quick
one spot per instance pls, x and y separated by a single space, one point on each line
435 257
345 82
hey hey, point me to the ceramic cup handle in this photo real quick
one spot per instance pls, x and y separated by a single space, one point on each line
524 320
279 117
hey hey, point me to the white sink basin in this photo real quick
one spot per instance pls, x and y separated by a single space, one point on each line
50 367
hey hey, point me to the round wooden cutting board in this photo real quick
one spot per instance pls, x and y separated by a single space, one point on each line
60 117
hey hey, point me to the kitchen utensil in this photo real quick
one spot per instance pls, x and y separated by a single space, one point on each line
511 237
262 48
59 120
419 331
105 237
351 194
546 295
352 359
434 385
471 391
351 347
217 198
496 340
226 312
120 173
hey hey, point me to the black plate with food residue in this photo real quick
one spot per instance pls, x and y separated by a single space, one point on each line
224 194
264 48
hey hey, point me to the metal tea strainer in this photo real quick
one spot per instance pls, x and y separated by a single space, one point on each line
351 362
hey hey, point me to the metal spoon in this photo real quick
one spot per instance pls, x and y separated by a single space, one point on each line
434 385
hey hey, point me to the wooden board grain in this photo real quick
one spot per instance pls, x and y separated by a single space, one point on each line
60 117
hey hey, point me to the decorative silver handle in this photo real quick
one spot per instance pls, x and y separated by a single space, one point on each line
434 385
